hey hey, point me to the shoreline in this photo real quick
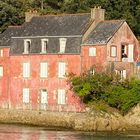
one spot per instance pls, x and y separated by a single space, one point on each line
71 121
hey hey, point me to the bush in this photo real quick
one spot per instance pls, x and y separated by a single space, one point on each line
122 95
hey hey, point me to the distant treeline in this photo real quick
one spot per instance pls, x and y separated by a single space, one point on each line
12 11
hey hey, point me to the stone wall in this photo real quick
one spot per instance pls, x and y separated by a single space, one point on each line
95 121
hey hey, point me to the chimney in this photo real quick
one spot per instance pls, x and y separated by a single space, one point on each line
97 14
29 15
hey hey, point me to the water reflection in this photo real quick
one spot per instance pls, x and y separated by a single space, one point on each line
16 132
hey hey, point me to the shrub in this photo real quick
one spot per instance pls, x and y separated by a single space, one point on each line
122 95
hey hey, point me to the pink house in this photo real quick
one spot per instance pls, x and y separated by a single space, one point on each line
36 57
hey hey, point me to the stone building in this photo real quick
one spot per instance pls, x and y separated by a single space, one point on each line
36 57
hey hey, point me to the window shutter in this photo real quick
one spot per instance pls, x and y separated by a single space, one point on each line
26 70
61 69
62 44
1 52
26 96
43 69
124 74
1 71
92 51
61 96
130 53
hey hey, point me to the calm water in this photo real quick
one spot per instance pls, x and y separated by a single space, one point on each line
16 132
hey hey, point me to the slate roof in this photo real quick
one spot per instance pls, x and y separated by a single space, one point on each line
53 27
103 32
56 25
5 37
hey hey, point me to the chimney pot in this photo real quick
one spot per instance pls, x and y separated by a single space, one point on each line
29 15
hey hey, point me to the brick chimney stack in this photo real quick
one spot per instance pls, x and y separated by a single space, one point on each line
97 14
29 15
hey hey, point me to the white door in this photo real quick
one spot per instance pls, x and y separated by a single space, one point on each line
130 53
44 97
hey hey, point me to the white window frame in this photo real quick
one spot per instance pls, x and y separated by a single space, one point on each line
122 73
1 52
62 42
61 97
44 45
113 51
26 95
61 69
27 48
26 69
92 51
1 71
44 69
42 100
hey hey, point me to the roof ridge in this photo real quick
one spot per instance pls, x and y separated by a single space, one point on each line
114 20
11 26
63 14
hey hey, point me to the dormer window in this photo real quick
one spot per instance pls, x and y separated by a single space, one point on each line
27 45
62 44
44 45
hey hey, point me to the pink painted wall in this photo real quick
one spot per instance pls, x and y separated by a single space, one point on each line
35 83
4 80
98 61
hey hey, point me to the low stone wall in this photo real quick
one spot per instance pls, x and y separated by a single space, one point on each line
94 121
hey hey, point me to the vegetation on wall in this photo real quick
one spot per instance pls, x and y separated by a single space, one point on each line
108 88
12 11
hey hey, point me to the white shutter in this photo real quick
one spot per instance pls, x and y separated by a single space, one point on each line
124 74
130 53
1 52
44 96
113 51
1 71
26 70
62 44
92 51
26 96
61 96
43 69
61 69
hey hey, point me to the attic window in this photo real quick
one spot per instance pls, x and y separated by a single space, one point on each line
62 44
44 45
27 45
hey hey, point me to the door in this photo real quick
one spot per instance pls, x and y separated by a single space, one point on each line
43 99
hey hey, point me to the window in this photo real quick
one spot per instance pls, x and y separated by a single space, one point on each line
92 51
43 69
26 70
44 46
62 44
27 45
124 51
113 51
1 52
61 96
1 71
26 95
44 96
61 69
